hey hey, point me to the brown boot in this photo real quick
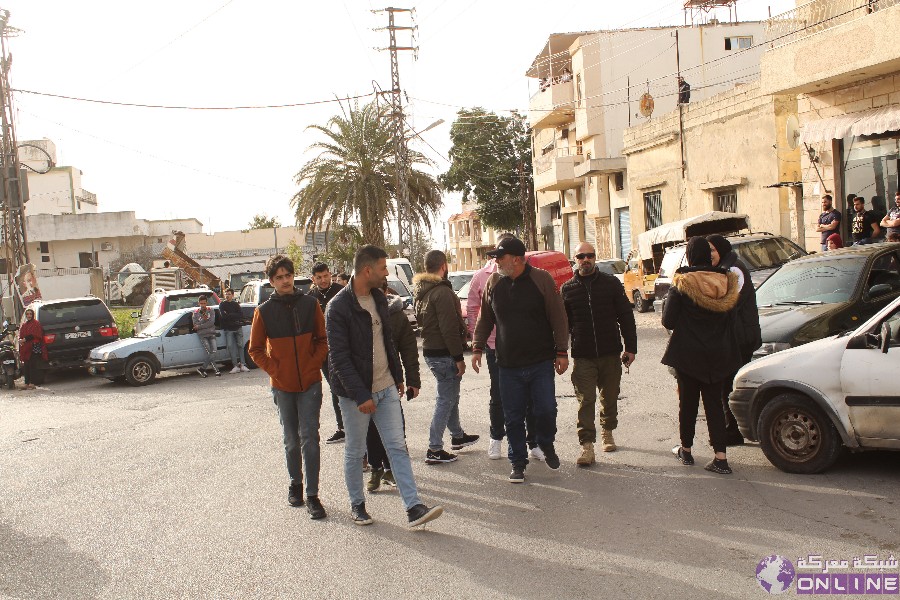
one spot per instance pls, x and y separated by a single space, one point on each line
587 455
606 437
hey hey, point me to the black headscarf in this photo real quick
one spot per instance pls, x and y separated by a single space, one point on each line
698 254
722 246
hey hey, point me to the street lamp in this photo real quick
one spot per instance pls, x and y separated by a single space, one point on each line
430 127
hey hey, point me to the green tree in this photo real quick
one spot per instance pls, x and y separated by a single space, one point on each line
353 177
490 162
342 243
262 221
295 253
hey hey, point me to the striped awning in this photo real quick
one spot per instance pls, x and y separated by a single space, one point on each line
869 122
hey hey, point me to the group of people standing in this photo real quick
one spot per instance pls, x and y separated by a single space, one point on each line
865 227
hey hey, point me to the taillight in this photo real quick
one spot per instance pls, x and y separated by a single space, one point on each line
109 331
162 307
49 338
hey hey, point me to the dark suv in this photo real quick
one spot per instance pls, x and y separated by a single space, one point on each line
72 328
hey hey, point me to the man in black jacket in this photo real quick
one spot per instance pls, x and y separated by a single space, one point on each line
323 290
232 324
599 317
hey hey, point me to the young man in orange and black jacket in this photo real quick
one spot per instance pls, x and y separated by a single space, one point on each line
287 341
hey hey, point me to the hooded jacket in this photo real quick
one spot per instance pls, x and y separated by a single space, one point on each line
700 311
599 315
287 340
747 329
439 316
404 339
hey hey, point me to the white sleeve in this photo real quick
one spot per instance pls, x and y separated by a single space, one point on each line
740 275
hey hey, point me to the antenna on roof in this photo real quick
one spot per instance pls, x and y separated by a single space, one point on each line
698 11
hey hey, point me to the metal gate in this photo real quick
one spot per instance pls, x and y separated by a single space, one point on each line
572 232
590 232
623 221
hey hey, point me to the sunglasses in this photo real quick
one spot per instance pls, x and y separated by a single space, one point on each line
584 255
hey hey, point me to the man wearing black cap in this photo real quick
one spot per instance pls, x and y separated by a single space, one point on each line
532 341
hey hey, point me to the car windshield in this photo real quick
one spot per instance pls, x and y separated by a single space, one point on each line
457 280
671 261
766 253
86 311
812 282
612 267
160 325
187 301
399 287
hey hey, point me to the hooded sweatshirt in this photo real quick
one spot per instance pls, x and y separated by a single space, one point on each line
700 312
439 315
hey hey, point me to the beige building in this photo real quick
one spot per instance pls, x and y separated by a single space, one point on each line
591 87
841 61
468 239
57 191
727 153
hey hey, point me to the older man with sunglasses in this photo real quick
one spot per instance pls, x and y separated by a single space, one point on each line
599 317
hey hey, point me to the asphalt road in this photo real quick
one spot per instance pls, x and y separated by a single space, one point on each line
178 490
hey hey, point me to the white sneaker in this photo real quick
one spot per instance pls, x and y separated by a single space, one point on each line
495 449
235 370
244 369
536 453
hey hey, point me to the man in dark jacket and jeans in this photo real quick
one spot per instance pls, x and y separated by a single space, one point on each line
599 317
233 328
532 340
287 341
443 339
366 374
324 290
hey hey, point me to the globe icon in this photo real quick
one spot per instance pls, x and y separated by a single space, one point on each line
775 574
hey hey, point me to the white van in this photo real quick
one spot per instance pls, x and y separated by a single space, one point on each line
401 269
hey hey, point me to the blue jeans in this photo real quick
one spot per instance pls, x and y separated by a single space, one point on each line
389 420
495 405
518 386
446 404
234 341
209 349
299 412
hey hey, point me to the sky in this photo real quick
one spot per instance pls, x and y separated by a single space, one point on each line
225 166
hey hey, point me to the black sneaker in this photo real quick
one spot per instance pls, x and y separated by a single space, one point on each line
550 457
518 474
719 466
437 457
421 514
218 373
338 437
295 494
359 515
202 373
314 508
685 458
461 442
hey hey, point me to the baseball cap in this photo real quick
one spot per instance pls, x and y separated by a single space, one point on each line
511 245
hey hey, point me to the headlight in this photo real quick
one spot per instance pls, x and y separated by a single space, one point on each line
771 348
108 356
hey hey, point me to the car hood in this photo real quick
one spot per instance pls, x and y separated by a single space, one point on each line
817 364
781 323
124 347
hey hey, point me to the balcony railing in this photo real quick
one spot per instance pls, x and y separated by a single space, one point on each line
88 197
816 16
545 161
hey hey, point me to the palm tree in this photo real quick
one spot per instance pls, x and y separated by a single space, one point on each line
353 178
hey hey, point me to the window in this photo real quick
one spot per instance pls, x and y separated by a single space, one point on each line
555 212
619 181
738 43
726 200
45 259
87 260
44 247
653 209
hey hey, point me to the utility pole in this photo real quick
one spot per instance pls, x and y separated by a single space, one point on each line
12 217
405 224
680 105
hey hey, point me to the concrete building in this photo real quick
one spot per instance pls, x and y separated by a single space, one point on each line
468 239
727 153
57 191
592 86
839 59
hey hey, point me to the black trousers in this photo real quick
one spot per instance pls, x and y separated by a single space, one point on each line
376 455
690 391
334 398
33 370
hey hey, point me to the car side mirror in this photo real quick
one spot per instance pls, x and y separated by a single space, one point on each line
879 289
135 315
885 337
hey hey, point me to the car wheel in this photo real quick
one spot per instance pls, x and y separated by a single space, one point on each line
139 371
797 436
640 304
247 360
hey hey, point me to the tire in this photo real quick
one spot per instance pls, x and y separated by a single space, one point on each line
797 436
247 360
139 371
640 304
10 382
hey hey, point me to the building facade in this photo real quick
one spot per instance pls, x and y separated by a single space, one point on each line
592 86
468 239
57 191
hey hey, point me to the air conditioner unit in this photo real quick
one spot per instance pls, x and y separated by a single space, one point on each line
106 246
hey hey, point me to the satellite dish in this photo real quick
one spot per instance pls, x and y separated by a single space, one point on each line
646 105
792 132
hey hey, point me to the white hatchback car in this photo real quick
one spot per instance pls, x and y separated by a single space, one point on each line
805 404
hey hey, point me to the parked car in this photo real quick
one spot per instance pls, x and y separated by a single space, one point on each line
614 267
162 301
169 342
638 281
553 262
404 292
400 268
763 253
805 404
823 294
72 328
259 290
458 279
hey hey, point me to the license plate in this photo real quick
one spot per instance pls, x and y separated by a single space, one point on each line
77 334
92 370
9 362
